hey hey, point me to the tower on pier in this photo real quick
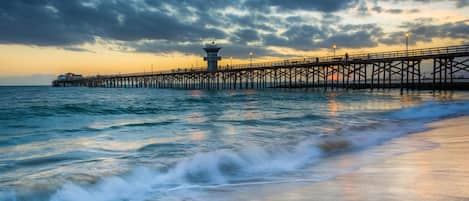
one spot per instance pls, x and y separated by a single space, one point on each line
212 57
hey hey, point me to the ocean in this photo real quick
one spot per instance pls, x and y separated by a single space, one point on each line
70 144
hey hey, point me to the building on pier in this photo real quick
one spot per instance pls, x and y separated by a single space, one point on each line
212 57
69 77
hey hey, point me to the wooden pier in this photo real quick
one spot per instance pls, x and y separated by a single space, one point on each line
440 68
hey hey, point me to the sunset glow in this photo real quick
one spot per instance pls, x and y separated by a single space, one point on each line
113 40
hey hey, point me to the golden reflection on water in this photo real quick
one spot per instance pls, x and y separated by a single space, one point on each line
107 142
408 101
230 130
112 144
198 135
332 103
333 107
196 93
250 91
445 96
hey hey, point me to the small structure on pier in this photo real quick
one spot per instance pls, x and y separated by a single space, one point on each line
69 77
212 57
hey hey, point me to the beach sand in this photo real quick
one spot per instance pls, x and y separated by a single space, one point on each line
438 172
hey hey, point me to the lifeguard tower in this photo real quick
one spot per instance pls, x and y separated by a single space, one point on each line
212 57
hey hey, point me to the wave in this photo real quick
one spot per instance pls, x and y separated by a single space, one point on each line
217 168
111 126
432 110
158 146
254 163
83 108
50 159
129 124
212 168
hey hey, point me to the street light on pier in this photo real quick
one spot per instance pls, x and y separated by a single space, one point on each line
250 57
407 34
334 46
231 61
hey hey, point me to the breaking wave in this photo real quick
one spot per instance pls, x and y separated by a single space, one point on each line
252 162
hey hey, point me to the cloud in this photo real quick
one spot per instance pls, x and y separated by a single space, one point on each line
228 49
243 36
57 22
424 30
76 49
395 11
457 3
181 25
315 5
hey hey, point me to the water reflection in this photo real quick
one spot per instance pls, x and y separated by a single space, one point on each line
198 135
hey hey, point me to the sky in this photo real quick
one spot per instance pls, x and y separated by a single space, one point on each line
40 39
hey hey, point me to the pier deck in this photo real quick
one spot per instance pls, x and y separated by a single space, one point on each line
441 68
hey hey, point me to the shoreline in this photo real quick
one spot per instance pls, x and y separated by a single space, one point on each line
438 173
438 170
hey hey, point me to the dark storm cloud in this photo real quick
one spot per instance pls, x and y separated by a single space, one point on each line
357 39
395 11
316 5
73 22
75 49
252 21
57 22
400 11
228 50
363 8
299 37
244 36
377 9
424 31
313 38
181 25
32 22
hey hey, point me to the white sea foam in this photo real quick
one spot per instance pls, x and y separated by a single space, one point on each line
225 167
213 169
204 169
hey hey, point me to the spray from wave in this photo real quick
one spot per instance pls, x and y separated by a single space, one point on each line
256 164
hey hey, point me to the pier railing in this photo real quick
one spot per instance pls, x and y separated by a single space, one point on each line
401 54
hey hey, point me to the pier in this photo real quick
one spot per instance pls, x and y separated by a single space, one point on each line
439 68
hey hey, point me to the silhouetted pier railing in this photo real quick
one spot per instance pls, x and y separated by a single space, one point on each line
429 68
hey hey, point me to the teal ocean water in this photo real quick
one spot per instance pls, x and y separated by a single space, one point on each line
68 144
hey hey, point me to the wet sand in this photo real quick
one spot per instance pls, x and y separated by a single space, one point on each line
439 172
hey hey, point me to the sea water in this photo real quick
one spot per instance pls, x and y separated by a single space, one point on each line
68 144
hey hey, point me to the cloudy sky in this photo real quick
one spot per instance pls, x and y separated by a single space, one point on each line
42 37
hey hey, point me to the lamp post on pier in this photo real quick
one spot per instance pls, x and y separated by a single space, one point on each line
250 58
407 34
334 46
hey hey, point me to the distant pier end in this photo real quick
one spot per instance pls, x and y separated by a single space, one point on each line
212 57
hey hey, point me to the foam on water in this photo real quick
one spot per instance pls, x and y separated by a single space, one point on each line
228 167
275 138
